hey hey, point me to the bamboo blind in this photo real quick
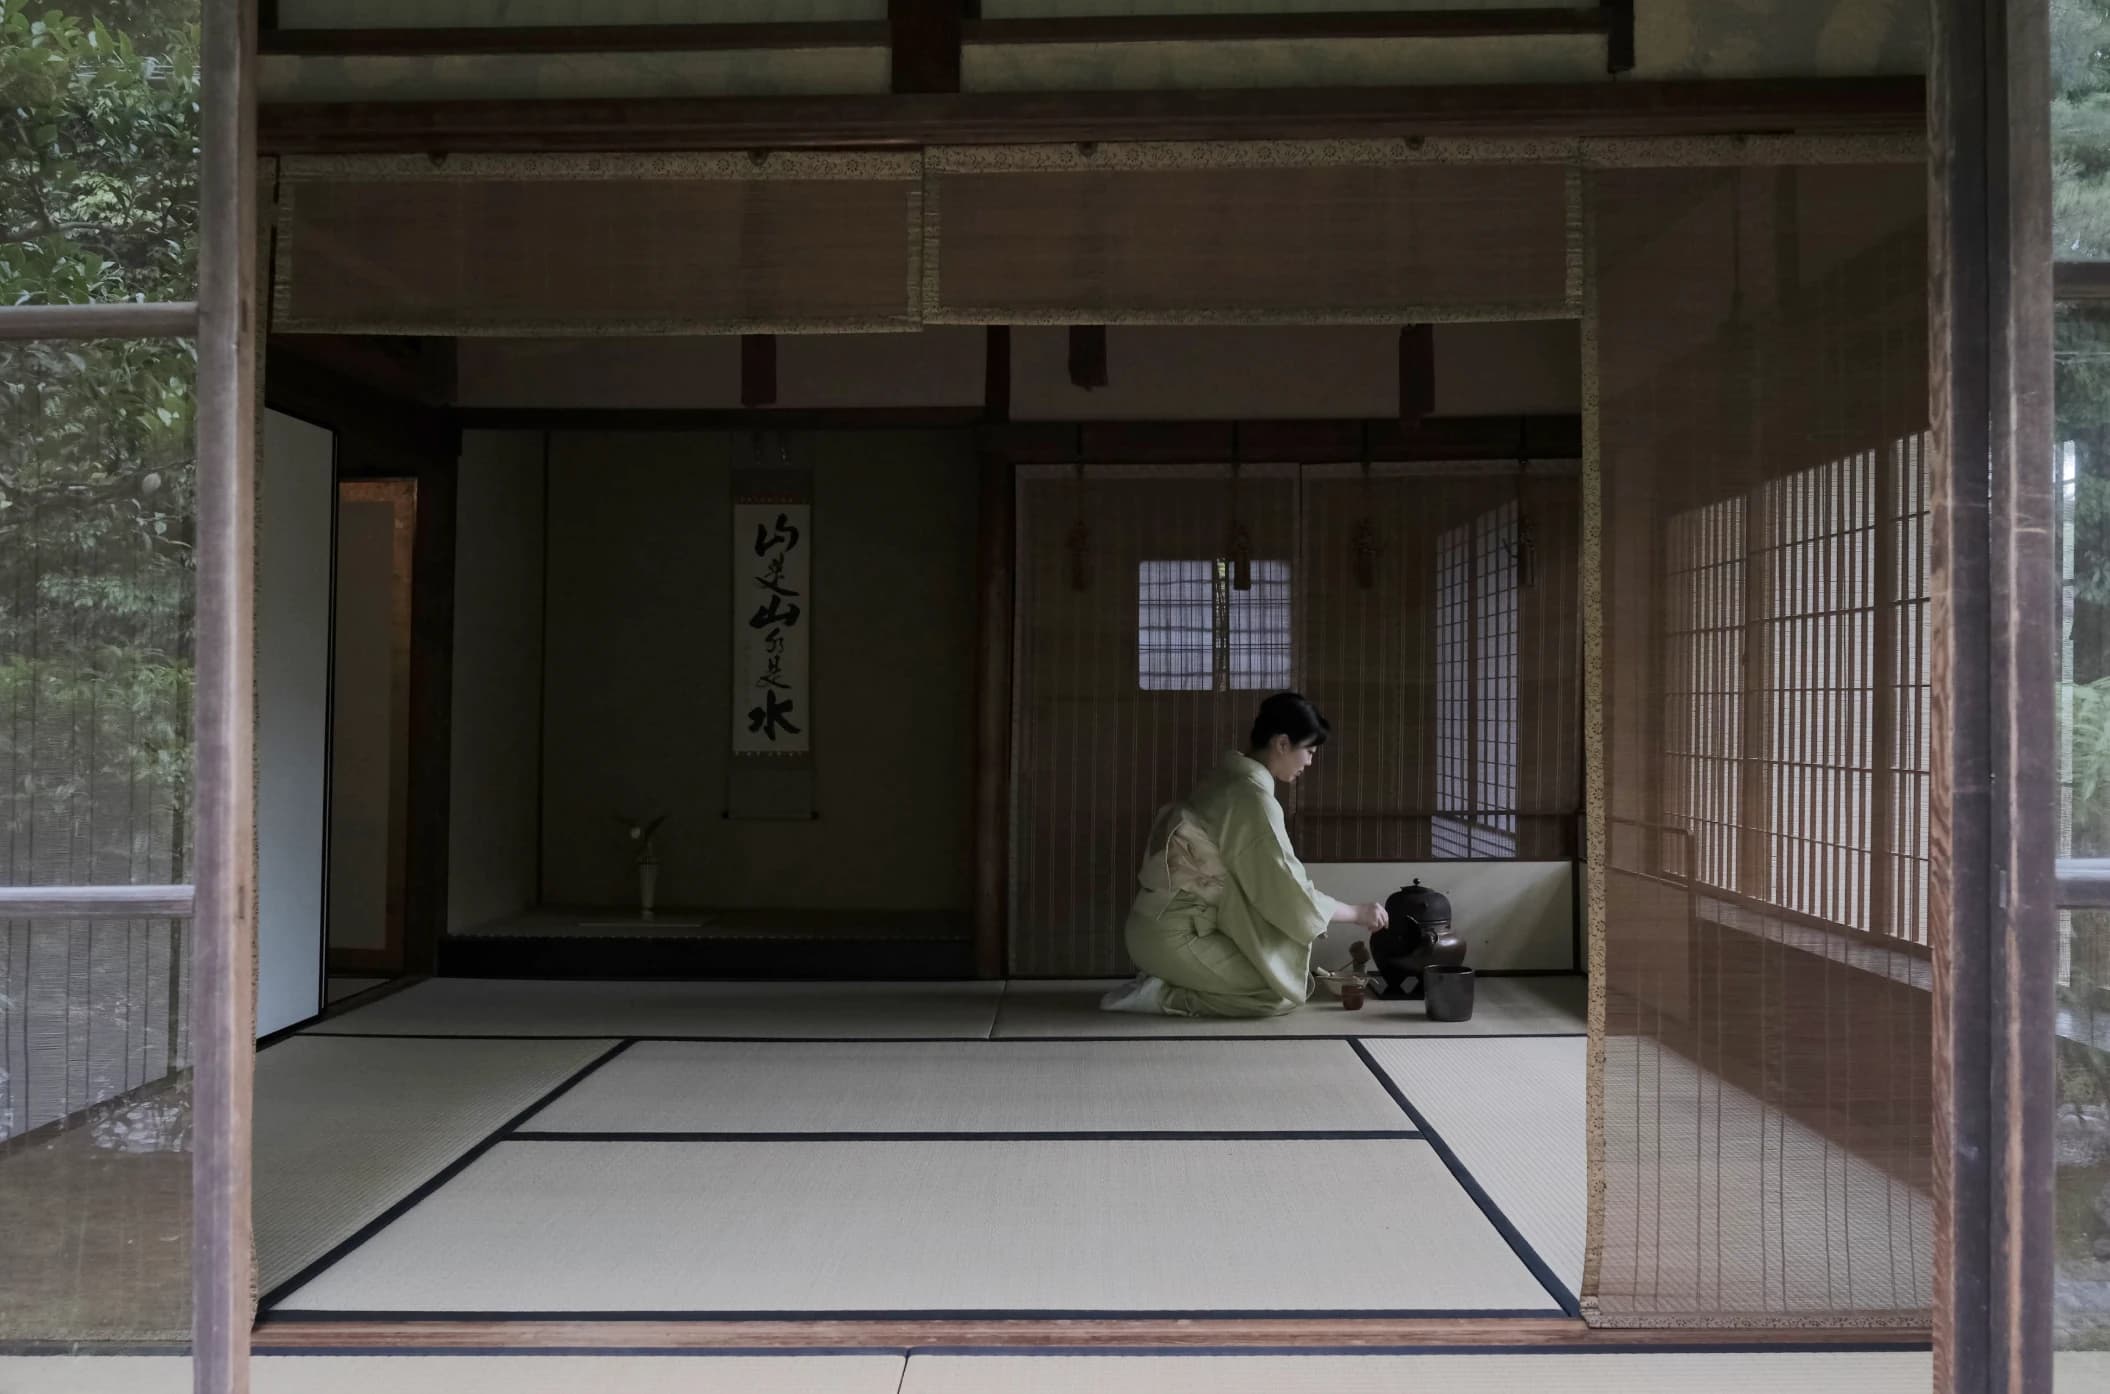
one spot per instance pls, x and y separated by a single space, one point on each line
1141 659
1766 1122
1193 234
610 244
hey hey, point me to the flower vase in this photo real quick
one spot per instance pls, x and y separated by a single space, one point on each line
647 884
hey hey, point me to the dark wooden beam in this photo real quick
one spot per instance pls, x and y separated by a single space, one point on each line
1492 438
1417 374
996 534
431 735
558 1333
1994 623
1827 106
323 393
1326 24
553 38
925 35
1619 36
716 419
758 370
996 374
2081 280
1088 356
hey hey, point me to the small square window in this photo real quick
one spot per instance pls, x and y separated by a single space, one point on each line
1199 630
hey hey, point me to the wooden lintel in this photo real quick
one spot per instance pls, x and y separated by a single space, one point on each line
1026 1333
1491 438
1807 106
1325 24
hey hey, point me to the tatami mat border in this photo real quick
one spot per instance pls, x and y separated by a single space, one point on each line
1540 1269
513 1131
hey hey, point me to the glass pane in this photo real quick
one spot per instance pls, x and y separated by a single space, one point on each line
2082 460
96 626
98 150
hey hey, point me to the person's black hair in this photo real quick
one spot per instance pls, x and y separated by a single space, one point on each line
1288 714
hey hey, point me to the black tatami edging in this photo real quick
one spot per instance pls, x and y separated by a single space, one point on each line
1908 1346
1071 1135
514 1130
992 1314
940 1040
1465 1178
1752 1347
437 1180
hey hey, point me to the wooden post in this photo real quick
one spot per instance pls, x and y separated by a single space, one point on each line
925 37
1088 356
1417 374
223 999
430 737
996 374
1994 663
758 370
995 565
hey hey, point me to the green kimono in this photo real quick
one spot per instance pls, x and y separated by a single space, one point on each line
1226 915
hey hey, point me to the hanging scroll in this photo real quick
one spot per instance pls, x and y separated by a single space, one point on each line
771 624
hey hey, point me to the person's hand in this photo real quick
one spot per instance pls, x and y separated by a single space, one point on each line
1372 916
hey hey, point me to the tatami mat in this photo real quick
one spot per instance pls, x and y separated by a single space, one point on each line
341 988
927 1227
977 1086
491 1007
1845 1372
346 1128
1763 1215
472 1374
1504 1006
1481 1097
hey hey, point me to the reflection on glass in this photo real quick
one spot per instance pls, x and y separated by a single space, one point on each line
96 641
2081 459
98 150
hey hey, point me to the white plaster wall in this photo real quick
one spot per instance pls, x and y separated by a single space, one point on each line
1515 916
497 756
296 484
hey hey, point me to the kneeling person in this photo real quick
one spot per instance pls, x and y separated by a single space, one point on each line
1225 919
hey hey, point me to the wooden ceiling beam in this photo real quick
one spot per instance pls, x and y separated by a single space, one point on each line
1327 24
1806 106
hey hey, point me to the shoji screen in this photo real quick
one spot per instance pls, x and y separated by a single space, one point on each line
1765 1129
1441 635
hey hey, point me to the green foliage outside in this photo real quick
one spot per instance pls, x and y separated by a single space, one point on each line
98 136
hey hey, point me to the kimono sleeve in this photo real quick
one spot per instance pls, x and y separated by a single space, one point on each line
1258 856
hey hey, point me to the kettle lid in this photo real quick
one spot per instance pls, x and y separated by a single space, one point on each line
1419 902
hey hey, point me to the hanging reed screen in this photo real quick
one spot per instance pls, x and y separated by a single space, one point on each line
1766 1123
1430 612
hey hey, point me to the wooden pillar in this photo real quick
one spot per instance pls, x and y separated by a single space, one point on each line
223 998
925 38
758 370
1088 368
994 570
430 736
1994 665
